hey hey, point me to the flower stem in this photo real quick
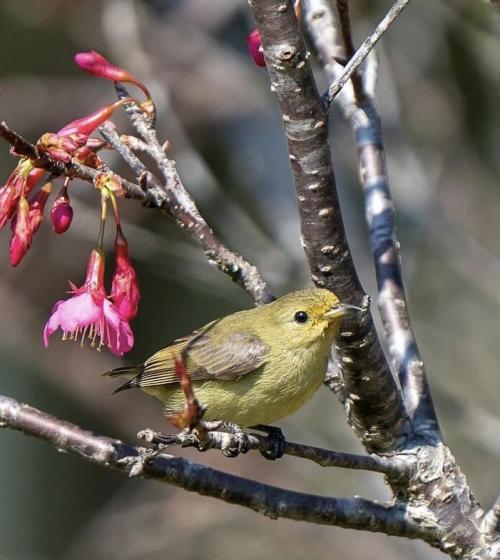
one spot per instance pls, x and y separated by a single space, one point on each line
104 211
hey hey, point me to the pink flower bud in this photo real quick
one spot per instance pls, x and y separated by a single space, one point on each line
20 183
37 206
22 234
255 48
124 285
86 125
61 213
95 64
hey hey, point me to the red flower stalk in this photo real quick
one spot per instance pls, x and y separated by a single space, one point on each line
89 313
255 48
95 64
124 284
22 234
61 214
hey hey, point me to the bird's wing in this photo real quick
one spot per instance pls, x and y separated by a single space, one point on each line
238 354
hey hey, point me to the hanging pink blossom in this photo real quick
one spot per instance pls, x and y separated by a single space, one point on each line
89 314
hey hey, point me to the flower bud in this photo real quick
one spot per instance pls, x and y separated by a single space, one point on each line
124 285
37 206
95 64
61 214
255 48
22 234
86 125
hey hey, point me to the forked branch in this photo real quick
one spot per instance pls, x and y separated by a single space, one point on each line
373 402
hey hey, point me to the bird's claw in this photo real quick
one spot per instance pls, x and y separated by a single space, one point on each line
237 442
136 464
277 441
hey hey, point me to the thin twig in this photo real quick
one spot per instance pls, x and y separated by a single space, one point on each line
348 45
354 513
380 215
373 402
20 145
109 134
182 208
72 169
205 439
366 47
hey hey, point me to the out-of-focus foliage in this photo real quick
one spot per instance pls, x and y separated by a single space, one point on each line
438 93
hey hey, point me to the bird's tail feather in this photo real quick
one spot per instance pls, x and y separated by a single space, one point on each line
132 372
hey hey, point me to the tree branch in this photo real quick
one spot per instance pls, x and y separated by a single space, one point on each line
363 116
212 439
72 169
353 513
172 197
366 47
179 204
373 401
491 521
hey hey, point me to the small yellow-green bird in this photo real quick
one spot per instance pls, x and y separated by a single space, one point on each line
251 367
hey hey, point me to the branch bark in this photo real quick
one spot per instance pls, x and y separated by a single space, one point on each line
373 402
358 106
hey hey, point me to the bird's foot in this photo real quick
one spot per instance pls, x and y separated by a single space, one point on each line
277 441
237 442
160 441
230 438
136 464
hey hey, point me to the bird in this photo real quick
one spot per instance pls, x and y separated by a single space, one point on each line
251 367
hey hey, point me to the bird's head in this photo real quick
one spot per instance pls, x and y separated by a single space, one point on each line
307 316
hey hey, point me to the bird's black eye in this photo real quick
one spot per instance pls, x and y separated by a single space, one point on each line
301 317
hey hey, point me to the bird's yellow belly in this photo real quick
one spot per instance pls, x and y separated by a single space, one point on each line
260 397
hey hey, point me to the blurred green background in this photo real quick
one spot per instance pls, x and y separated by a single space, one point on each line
438 96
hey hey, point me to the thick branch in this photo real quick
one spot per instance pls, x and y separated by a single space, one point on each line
361 112
354 513
491 521
373 401
366 47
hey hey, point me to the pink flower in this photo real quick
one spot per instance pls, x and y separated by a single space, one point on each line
95 64
61 214
88 313
124 286
255 48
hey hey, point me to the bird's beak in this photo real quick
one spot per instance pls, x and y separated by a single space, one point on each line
336 311
339 310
